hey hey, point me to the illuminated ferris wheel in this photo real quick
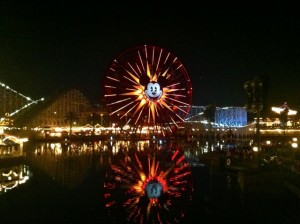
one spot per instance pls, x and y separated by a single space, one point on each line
147 86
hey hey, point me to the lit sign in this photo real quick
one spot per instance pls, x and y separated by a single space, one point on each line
153 91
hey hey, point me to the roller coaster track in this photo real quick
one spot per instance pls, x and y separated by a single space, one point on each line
13 102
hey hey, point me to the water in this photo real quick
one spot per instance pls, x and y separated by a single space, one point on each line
68 188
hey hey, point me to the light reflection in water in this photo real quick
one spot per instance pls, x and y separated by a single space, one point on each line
69 163
149 186
13 176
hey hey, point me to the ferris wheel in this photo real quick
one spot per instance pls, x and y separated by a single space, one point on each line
147 86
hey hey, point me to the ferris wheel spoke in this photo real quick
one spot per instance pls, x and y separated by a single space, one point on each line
150 86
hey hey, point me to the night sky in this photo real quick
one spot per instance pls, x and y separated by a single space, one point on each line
50 45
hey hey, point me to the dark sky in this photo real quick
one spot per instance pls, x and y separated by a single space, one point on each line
48 45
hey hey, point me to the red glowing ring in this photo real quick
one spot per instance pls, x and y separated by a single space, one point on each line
147 86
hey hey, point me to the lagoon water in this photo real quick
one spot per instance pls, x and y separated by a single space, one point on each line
69 188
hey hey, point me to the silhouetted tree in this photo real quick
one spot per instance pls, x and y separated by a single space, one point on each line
284 117
209 114
94 118
70 118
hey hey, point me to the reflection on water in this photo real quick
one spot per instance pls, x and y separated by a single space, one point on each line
149 187
68 167
13 173
13 176
69 163
64 183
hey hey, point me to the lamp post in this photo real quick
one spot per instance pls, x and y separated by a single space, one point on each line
254 102
209 113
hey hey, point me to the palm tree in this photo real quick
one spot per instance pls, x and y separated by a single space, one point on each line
70 118
94 118
209 114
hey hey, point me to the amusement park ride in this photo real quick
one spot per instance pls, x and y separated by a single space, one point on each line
284 111
147 86
11 146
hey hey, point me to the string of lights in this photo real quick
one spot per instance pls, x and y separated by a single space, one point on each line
30 101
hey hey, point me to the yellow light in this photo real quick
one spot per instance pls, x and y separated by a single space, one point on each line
58 129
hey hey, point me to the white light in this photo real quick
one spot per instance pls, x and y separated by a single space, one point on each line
58 129
295 139
295 145
278 110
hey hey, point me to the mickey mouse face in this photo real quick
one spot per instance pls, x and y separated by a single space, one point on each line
154 189
153 91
